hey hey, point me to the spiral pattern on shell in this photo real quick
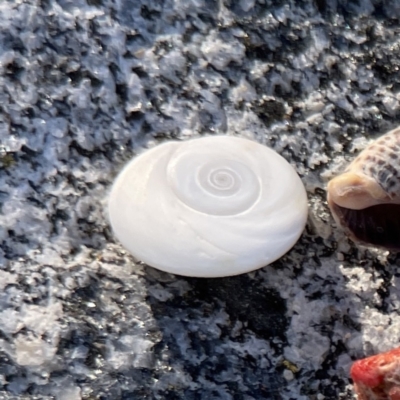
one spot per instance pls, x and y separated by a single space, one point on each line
213 206
216 185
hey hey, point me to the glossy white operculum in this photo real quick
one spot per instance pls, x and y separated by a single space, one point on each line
209 207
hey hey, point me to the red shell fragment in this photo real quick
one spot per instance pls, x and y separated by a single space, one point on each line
377 377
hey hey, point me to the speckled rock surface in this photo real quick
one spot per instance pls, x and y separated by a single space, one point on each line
86 85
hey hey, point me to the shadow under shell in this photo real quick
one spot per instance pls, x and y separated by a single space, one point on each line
376 225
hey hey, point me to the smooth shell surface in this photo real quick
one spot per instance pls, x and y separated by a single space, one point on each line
209 207
365 199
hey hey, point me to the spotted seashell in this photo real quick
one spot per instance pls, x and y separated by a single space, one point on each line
365 199
208 207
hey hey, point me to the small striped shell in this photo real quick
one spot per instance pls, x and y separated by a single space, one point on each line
365 199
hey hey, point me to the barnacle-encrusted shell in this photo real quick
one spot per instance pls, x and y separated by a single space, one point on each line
208 207
377 377
365 199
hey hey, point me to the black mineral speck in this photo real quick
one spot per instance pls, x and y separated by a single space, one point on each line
262 308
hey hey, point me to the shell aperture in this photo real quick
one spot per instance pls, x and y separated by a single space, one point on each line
208 207
365 199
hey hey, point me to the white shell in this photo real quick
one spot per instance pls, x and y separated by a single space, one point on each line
209 207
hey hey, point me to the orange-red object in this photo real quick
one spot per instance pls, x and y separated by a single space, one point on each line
377 377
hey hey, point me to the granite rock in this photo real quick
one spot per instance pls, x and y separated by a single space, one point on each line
87 84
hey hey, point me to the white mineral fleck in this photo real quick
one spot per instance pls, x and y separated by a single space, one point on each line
135 351
33 351
220 53
243 91
246 5
288 375
70 393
